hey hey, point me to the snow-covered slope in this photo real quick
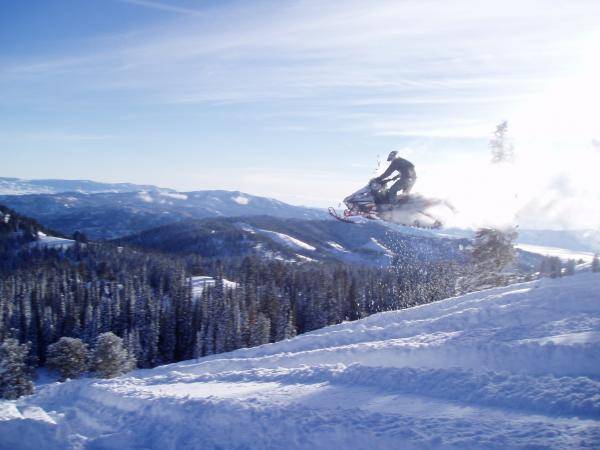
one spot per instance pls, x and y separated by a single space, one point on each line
515 367
562 253
46 241
578 241
200 283
288 241
369 243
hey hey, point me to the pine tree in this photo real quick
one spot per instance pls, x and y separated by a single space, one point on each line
261 331
500 145
493 253
570 269
131 341
290 329
199 345
80 238
110 359
555 267
209 340
545 267
596 264
15 373
69 356
283 317
352 306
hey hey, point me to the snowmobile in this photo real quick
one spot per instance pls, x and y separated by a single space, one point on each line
372 202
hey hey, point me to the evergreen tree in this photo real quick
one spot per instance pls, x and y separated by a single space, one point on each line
110 358
209 340
289 330
500 145
545 266
199 345
352 310
570 269
261 331
551 266
69 356
131 341
79 237
493 254
15 373
555 267
596 263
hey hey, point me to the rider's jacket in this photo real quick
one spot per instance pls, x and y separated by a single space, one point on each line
401 165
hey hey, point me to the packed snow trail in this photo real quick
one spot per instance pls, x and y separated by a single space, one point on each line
508 368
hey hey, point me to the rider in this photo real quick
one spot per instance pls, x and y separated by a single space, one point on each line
407 174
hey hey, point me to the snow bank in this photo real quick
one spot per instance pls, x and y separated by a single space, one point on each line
145 197
305 258
507 368
54 242
241 200
289 241
376 246
337 246
175 195
561 253
199 283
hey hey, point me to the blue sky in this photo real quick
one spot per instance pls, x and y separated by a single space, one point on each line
297 99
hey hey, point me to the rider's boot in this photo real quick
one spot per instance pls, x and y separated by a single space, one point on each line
392 197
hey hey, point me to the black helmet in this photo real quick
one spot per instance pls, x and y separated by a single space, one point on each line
392 155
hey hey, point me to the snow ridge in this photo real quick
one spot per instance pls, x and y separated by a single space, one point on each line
572 396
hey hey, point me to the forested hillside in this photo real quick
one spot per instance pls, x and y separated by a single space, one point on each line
146 298
369 243
17 230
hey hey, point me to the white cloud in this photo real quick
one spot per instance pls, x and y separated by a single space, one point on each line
163 6
53 136
419 50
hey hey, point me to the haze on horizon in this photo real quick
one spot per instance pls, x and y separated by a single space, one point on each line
299 100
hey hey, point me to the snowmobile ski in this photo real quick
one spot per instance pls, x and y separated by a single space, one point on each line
337 216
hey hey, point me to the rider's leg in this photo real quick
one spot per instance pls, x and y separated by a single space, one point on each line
394 189
408 185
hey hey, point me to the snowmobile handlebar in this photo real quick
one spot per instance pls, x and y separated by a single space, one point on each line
388 180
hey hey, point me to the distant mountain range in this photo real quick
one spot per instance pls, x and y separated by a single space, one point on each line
222 224
19 186
115 210
111 215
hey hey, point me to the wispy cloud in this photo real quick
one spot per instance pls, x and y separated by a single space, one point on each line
163 6
53 136
308 50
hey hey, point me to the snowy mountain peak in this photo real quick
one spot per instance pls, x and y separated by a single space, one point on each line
19 186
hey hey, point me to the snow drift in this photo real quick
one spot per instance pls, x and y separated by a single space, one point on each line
513 367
